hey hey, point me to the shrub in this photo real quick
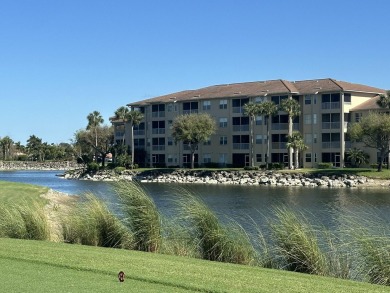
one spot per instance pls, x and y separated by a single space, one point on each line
251 168
92 167
325 165
119 170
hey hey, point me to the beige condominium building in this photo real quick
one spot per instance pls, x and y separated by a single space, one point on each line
327 106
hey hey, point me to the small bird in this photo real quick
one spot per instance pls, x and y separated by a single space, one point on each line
121 276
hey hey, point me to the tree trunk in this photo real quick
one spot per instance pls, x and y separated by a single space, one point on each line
290 150
192 159
296 159
252 152
268 144
132 145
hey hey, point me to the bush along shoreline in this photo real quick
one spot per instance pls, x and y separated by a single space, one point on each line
227 177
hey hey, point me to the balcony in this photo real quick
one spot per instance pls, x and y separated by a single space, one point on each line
158 147
238 109
283 126
279 145
241 127
330 125
158 131
139 132
158 114
194 111
330 105
331 145
241 146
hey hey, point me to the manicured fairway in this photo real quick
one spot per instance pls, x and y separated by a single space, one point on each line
37 266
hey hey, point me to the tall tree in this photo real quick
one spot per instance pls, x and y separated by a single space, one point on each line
193 129
134 117
121 114
292 108
374 131
251 110
268 109
296 142
35 148
95 119
6 144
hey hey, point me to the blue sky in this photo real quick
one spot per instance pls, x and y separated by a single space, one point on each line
61 60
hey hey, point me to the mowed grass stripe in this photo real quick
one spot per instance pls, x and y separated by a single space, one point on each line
81 266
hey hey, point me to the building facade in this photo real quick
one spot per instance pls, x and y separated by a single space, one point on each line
327 106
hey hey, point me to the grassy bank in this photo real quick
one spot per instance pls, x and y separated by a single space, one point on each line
16 193
36 266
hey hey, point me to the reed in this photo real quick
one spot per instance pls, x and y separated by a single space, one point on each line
296 243
216 241
141 216
91 223
25 221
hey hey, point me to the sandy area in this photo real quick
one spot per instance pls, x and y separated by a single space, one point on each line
58 206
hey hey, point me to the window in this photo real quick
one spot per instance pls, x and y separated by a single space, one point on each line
158 127
358 116
259 158
308 158
206 105
223 140
259 120
139 143
260 138
207 141
307 99
222 158
158 143
223 122
170 141
259 100
315 157
223 104
139 129
238 104
314 118
315 137
241 142
240 123
347 98
158 110
277 99
190 107
307 119
207 158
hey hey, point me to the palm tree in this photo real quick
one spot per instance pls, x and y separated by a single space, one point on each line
384 100
357 156
6 143
268 109
135 118
94 121
122 114
251 110
292 108
295 142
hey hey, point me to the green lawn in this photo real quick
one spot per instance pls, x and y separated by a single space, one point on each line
14 193
38 266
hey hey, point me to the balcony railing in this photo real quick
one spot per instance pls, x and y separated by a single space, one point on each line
331 144
194 111
330 125
139 132
241 127
238 110
330 105
158 114
284 126
158 131
241 146
279 145
158 147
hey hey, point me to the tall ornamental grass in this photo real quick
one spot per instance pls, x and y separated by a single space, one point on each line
141 216
216 241
296 243
25 221
91 223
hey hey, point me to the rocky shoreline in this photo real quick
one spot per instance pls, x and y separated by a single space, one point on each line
30 165
249 178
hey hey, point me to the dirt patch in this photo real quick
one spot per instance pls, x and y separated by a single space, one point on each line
59 205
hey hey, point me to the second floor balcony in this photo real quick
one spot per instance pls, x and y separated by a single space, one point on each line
283 126
279 145
241 146
330 105
331 144
330 125
158 131
241 127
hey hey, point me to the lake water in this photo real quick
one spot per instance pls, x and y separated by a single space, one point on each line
236 202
